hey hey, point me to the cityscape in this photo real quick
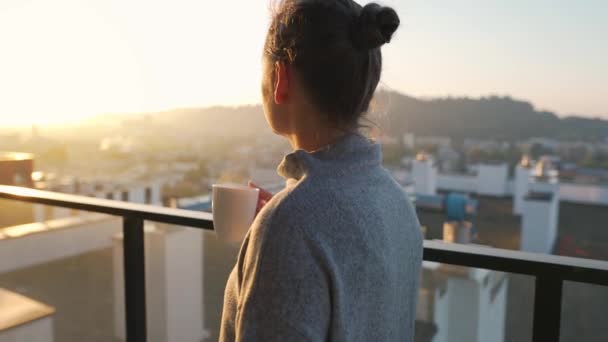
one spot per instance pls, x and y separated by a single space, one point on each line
117 117
540 194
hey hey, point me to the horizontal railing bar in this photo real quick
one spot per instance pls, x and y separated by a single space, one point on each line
560 267
566 268
179 217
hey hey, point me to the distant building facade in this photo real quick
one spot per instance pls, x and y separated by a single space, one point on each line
16 170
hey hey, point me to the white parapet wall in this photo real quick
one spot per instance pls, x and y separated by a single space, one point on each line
466 183
584 194
568 192
24 319
458 183
42 242
492 179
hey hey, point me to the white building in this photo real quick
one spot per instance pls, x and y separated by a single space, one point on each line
486 180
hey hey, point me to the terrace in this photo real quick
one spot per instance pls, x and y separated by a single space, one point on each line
136 261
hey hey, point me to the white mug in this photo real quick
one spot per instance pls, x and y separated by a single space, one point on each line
233 209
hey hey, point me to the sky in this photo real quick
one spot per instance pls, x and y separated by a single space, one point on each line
65 60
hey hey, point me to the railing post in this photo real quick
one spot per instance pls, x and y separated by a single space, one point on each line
547 308
135 279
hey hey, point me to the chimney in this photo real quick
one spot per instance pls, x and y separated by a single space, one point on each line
408 140
539 221
458 232
425 175
523 178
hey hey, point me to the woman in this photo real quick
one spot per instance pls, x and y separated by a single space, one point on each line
336 255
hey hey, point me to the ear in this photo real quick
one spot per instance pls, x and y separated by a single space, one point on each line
282 79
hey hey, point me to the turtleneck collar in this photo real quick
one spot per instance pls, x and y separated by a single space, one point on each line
348 154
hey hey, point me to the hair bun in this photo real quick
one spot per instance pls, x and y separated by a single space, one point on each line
375 26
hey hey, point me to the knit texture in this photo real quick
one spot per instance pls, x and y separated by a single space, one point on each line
335 256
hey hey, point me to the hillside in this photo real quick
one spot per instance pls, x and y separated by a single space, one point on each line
501 118
487 118
215 121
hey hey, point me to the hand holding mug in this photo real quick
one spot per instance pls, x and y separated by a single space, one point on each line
263 198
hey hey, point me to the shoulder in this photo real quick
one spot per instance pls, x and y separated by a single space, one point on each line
286 222
304 205
285 212
277 246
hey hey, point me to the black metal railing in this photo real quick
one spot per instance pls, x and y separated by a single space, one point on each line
550 271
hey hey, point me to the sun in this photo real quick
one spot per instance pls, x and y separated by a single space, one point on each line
64 61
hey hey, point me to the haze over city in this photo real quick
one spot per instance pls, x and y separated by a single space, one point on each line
66 60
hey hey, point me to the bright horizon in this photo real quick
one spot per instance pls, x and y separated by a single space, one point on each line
65 60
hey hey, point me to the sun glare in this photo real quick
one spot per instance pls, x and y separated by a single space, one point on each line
66 60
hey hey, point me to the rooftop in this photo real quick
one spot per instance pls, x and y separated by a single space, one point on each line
16 310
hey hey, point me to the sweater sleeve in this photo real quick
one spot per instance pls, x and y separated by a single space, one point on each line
284 293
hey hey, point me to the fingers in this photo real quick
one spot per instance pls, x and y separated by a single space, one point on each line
263 198
261 204
264 195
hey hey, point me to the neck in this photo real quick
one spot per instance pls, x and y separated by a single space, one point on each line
314 139
308 130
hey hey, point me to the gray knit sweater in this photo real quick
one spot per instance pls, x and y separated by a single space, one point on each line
335 256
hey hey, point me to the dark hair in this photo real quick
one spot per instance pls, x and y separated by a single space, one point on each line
334 45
